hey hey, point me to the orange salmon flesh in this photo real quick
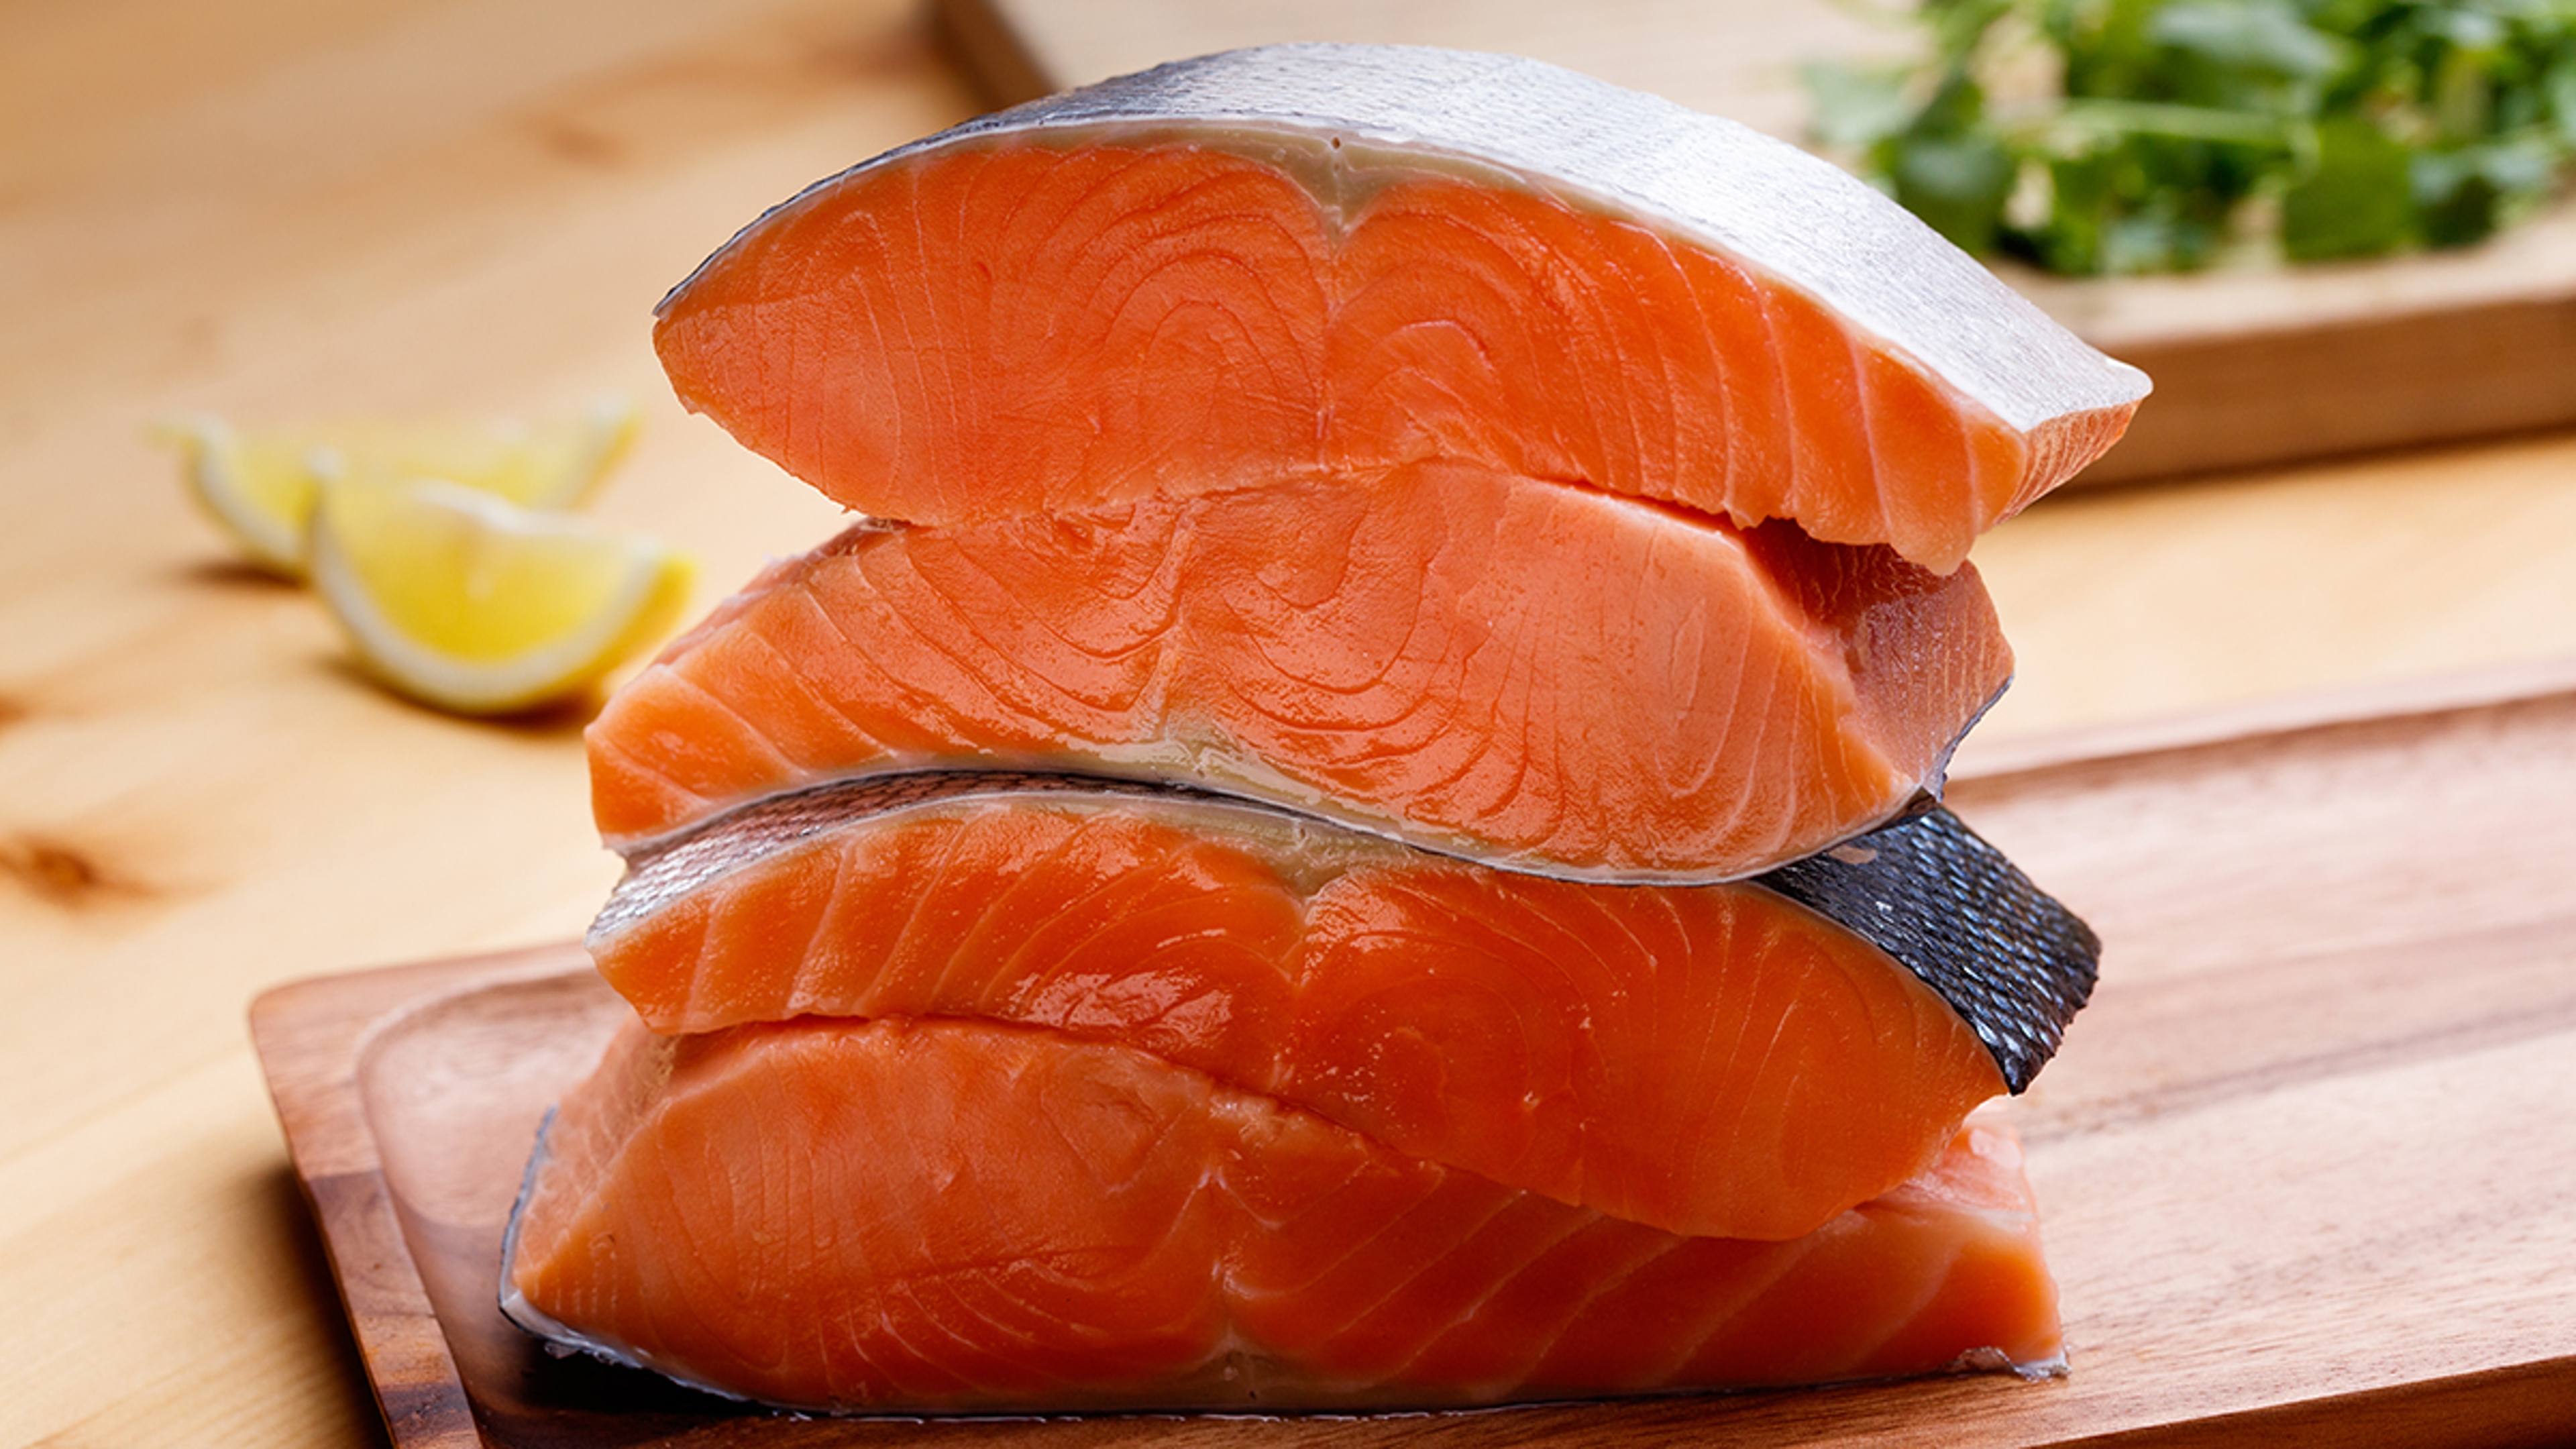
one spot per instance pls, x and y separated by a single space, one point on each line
1016 326
1712 1060
1531 676
1445 584
965 1217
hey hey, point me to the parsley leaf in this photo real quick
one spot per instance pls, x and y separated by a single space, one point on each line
2110 136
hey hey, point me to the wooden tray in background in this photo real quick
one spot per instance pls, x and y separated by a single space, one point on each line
2305 1164
2250 368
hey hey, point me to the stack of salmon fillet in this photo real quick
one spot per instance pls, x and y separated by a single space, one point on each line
1355 824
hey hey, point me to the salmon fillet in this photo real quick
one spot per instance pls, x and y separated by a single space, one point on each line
1354 829
1541 678
1712 1060
945 1217
1312 260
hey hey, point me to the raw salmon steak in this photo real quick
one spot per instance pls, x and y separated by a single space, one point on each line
1549 679
1312 260
946 1217
1714 1060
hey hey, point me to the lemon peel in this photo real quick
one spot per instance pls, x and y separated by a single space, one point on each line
470 603
260 486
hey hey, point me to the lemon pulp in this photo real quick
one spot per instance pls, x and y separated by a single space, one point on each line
470 603
261 486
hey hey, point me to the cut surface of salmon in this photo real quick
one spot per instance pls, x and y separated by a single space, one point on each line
1547 679
1712 1060
933 1217
1315 259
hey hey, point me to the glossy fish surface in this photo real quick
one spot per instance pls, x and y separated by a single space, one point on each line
1314 260
1712 1060
1540 678
962 1217
1356 825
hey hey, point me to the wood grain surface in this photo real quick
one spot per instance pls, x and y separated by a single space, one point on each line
314 208
2257 366
2302 1164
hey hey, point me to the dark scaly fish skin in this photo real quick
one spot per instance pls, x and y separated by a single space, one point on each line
677 864
2012 961
2008 957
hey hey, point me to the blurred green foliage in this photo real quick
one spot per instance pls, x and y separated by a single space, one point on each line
2125 136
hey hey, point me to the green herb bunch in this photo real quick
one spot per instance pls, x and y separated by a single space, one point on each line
2125 136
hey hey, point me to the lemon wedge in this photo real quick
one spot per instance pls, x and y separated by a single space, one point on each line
261 486
258 489
473 604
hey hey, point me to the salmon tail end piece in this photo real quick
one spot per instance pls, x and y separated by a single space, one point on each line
921 1217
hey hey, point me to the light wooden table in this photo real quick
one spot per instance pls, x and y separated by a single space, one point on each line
290 208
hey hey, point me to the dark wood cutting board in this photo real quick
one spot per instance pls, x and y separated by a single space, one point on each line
2251 367
2305 1164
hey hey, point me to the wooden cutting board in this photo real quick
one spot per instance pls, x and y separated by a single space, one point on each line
2251 367
2304 1165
